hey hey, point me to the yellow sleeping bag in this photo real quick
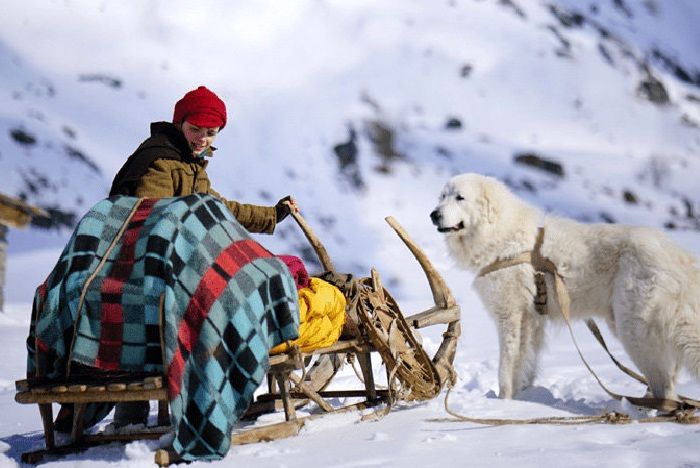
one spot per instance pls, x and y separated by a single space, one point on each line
321 317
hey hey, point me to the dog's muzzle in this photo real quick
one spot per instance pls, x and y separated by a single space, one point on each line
456 228
436 218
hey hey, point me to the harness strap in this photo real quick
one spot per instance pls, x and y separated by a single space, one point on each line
593 327
540 263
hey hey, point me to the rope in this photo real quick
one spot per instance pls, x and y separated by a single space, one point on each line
683 400
611 417
90 279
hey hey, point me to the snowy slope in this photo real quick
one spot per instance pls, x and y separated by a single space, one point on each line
604 93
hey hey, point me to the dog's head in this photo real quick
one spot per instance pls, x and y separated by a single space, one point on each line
466 204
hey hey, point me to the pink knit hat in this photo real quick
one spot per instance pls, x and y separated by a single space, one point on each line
202 108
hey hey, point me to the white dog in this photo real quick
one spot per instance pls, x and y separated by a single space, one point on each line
644 286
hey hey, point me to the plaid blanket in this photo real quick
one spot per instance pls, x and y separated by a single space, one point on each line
183 272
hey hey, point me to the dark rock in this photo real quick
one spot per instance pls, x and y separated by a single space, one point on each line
538 162
383 137
529 186
689 208
565 45
80 156
568 19
514 7
22 137
453 123
630 197
653 90
106 80
347 154
57 219
690 77
465 71
36 182
606 55
623 8
69 132
606 217
444 152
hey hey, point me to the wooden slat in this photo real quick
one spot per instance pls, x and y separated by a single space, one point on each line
156 381
93 440
434 316
116 387
166 457
266 397
17 213
21 385
90 395
311 393
356 345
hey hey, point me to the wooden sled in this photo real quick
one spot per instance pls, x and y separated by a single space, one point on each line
294 378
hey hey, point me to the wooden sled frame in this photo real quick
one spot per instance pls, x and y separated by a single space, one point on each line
286 390
281 381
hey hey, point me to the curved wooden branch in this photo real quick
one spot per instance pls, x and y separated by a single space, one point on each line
318 247
445 308
441 293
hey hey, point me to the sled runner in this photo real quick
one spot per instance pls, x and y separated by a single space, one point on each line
375 326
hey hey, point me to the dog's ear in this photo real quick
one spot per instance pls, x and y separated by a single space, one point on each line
489 202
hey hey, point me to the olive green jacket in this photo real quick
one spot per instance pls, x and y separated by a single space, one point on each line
163 166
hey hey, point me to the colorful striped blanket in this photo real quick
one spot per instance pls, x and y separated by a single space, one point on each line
181 271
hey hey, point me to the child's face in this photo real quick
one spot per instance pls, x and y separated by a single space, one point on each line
199 138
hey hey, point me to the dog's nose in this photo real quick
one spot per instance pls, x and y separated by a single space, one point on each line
435 217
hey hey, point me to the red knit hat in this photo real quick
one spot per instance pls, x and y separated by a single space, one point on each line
202 108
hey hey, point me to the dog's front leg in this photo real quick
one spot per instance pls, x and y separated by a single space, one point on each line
509 349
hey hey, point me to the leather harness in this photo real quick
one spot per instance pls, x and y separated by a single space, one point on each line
541 265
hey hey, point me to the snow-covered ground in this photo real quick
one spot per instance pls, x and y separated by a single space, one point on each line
84 79
418 434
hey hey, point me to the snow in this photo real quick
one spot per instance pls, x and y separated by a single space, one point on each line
296 75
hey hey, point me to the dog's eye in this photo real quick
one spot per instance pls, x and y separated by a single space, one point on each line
459 198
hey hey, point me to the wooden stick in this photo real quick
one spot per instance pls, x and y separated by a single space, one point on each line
309 392
441 293
434 316
318 247
46 412
78 421
267 397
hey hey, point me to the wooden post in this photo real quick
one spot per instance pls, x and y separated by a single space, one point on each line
13 213
3 257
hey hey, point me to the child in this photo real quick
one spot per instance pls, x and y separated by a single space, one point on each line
172 162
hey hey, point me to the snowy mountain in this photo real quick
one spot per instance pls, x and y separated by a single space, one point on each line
360 109
364 109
